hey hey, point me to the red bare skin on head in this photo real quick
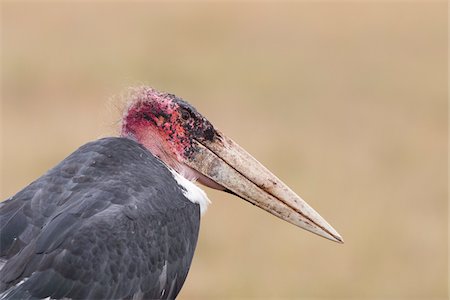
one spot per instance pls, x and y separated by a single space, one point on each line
166 126
141 121
153 120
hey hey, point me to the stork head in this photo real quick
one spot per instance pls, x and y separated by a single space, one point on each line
174 131
168 127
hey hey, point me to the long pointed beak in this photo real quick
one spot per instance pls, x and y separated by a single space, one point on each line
226 163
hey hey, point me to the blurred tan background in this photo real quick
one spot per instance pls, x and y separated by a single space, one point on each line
345 101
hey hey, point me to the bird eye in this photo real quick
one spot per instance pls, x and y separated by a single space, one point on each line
185 114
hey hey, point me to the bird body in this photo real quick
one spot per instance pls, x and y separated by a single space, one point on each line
84 227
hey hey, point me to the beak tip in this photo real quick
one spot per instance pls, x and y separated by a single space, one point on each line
335 237
324 229
339 239
332 237
330 233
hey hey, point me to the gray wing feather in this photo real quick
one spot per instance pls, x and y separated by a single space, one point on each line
107 222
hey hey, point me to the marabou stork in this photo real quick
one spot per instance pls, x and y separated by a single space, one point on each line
119 218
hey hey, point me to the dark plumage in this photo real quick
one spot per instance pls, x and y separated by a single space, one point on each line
109 215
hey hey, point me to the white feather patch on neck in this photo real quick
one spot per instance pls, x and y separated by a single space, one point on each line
191 191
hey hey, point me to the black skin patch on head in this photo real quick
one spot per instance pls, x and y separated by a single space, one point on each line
199 127
147 117
209 134
161 113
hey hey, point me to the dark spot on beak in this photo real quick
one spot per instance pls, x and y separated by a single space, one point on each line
209 133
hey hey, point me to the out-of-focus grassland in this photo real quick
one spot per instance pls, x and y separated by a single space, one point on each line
346 102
